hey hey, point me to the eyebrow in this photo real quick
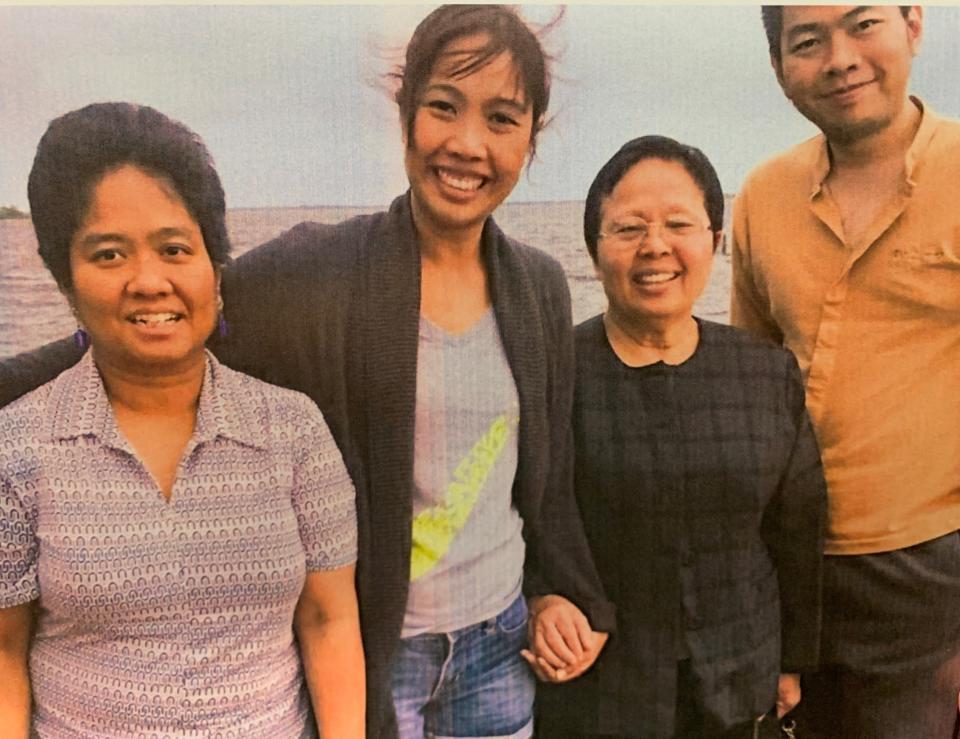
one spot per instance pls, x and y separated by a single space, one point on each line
454 92
802 28
92 240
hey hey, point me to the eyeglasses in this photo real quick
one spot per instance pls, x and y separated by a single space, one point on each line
673 230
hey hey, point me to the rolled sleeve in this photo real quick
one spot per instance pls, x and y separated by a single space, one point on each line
323 496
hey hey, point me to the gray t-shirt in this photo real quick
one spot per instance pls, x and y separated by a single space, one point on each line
467 556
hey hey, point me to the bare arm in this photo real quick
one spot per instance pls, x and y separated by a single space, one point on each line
15 625
328 627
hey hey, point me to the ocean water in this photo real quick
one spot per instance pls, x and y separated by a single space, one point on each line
32 311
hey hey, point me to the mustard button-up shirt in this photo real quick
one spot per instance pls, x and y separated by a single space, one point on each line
875 326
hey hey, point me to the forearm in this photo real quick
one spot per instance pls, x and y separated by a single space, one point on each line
15 696
333 665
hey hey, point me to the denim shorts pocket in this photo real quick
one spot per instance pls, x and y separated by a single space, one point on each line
513 617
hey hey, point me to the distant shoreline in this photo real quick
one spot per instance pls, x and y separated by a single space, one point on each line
381 206
10 212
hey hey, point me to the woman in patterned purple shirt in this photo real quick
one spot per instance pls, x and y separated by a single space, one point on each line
166 524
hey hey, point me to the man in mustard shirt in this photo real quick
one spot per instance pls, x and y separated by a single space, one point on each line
846 249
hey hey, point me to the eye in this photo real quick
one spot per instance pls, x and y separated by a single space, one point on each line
443 107
503 119
680 227
864 24
105 255
804 44
175 250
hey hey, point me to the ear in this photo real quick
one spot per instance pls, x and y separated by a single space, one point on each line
218 275
717 240
777 65
914 21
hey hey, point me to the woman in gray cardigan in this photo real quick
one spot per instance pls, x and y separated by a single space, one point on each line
441 355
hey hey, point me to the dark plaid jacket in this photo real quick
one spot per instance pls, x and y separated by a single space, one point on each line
703 497
333 311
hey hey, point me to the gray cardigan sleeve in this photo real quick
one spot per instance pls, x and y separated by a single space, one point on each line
559 560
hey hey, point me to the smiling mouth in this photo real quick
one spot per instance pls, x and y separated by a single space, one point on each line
154 319
847 89
654 278
459 180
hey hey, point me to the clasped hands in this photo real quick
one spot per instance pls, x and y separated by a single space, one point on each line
562 644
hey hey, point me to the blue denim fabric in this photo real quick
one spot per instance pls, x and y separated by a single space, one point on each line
466 683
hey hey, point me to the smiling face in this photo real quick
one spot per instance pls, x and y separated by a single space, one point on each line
656 248
143 285
846 68
469 142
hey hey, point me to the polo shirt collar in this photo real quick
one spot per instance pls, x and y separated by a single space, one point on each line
78 406
820 166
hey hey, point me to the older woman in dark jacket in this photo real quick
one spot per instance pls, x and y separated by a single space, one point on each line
697 474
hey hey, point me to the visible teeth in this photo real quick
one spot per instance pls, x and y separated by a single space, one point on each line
656 277
153 319
467 183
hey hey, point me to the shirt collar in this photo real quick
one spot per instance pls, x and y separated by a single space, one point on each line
79 406
820 164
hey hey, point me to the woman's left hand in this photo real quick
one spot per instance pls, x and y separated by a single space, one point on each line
788 693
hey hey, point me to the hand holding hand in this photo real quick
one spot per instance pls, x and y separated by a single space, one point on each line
562 644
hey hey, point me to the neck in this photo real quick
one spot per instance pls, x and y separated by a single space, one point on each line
639 343
890 143
170 394
445 247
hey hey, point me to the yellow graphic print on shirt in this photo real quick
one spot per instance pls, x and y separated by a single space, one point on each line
435 528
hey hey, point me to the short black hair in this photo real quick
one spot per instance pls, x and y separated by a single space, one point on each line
506 32
772 16
651 147
80 147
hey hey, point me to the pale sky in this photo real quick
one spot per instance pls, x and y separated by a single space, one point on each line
288 103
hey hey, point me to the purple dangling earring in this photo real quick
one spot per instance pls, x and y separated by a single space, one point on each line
223 329
81 338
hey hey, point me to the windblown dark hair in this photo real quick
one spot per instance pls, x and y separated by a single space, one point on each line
506 32
80 147
635 151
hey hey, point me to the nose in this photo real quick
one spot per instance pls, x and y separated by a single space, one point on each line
148 277
844 54
653 244
468 138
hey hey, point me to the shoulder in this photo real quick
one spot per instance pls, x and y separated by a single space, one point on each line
944 151
278 414
790 167
537 262
307 244
739 351
24 424
589 330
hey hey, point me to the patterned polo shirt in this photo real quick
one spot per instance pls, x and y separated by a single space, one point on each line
174 618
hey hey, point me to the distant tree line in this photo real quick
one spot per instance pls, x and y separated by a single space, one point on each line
10 211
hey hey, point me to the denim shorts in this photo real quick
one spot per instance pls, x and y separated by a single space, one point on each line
467 683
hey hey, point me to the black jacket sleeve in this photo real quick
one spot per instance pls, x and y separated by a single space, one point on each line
28 371
793 528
